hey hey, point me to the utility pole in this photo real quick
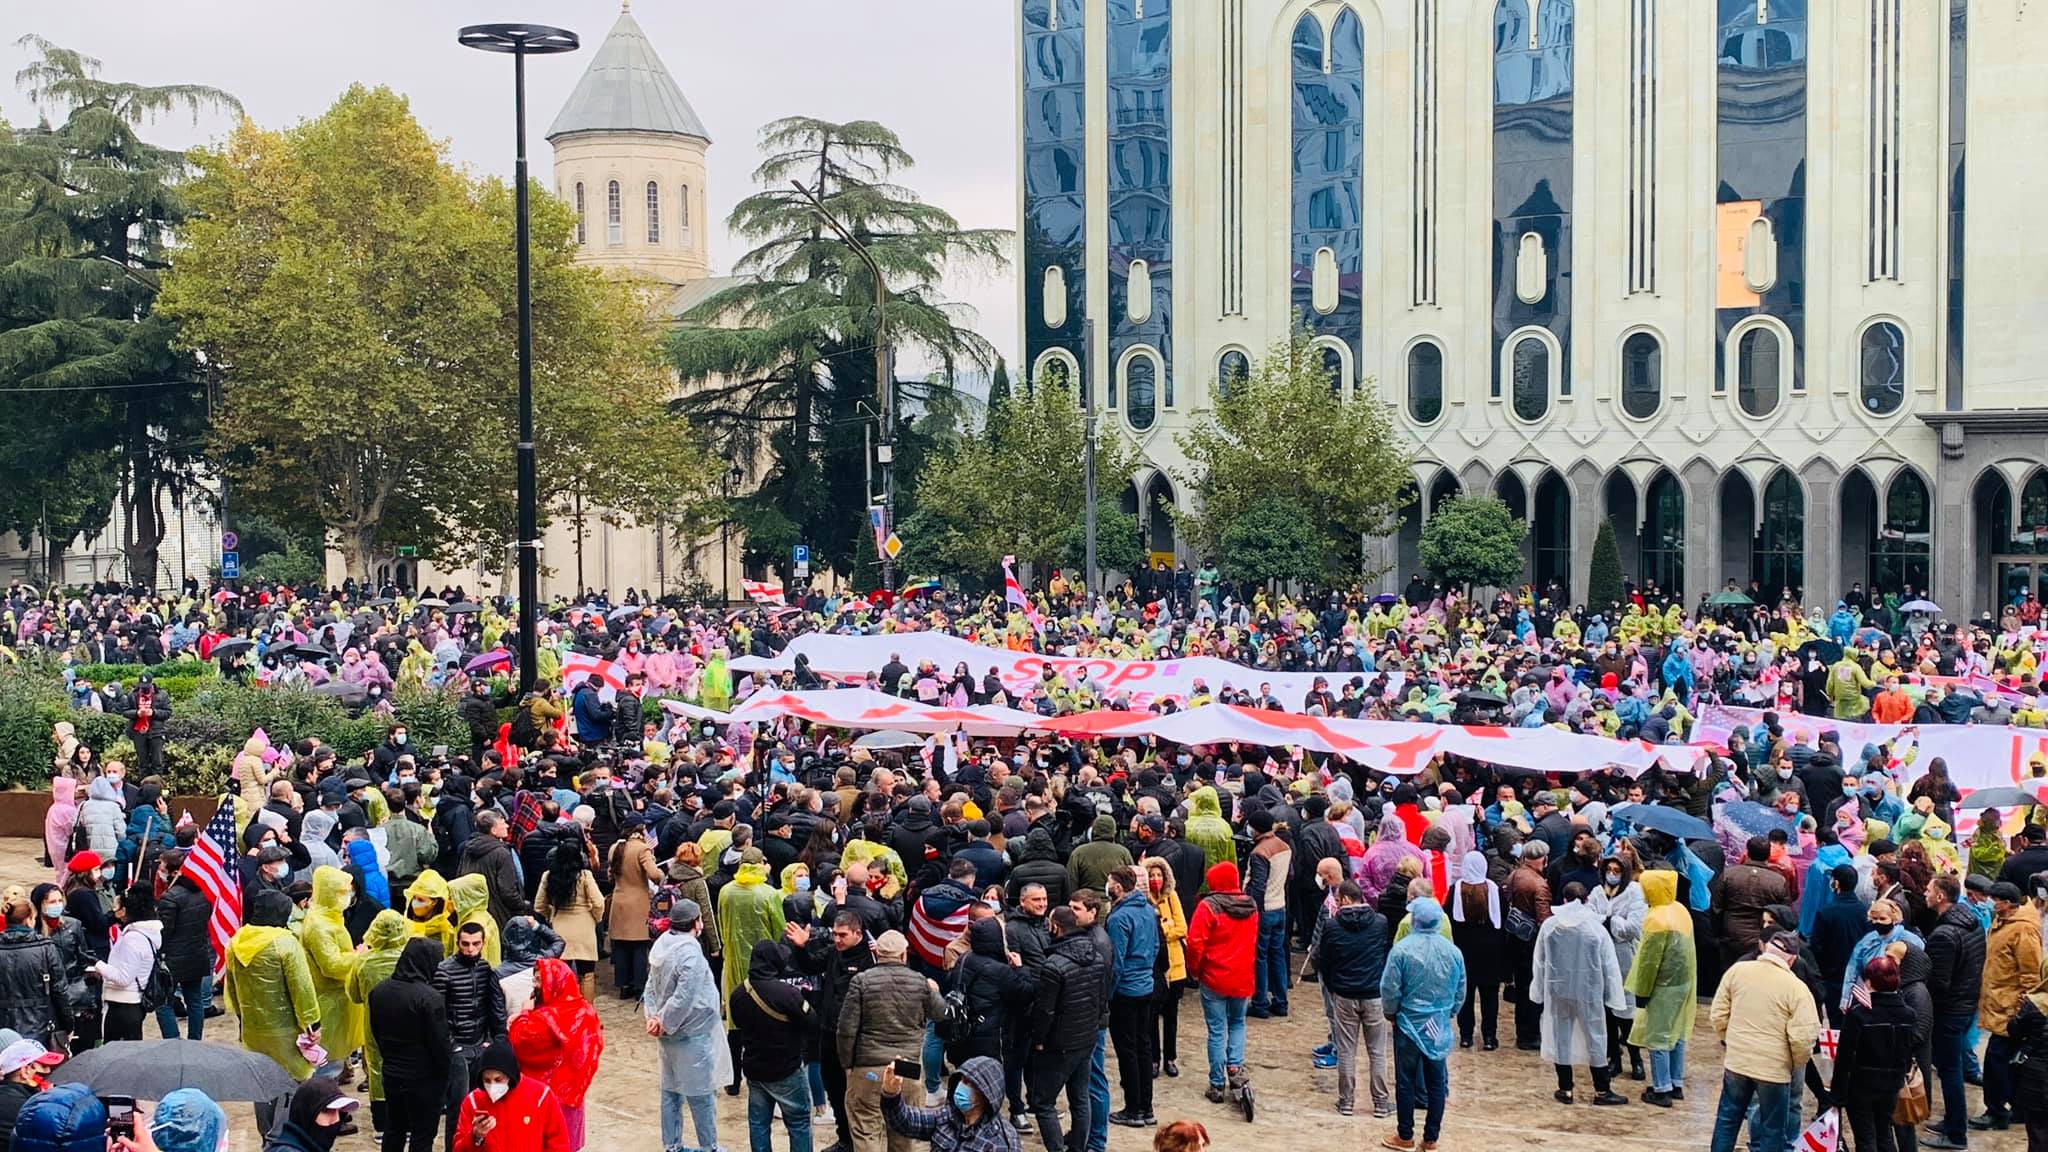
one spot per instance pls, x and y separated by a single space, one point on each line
1088 444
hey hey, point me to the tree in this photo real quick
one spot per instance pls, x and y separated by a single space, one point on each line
1281 431
1016 488
1118 547
1474 540
783 362
1272 541
87 212
356 294
1603 576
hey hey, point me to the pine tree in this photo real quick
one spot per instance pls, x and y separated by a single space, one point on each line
1603 578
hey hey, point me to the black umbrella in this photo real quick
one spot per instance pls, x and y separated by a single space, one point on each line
462 606
1667 820
303 652
2007 797
153 1069
1825 651
227 648
379 602
1481 698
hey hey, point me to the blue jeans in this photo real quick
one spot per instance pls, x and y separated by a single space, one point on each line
1223 1016
1970 1065
703 1118
794 1095
1098 1094
1270 963
1767 1129
1667 1068
196 996
1951 1040
934 1060
1419 1082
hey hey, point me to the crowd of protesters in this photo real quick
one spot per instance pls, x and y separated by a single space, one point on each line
960 944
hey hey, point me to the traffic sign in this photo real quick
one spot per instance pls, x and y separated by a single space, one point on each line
229 541
231 565
408 549
800 555
893 545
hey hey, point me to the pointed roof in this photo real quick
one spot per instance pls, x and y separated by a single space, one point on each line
626 89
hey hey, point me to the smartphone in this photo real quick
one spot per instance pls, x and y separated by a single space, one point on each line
440 752
908 1069
120 1116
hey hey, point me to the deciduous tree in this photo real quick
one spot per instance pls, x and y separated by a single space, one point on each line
1474 540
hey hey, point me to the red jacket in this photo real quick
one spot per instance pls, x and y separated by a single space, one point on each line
560 1039
528 1119
1223 939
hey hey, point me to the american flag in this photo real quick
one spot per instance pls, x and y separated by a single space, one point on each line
213 867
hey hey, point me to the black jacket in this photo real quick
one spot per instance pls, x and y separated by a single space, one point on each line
834 971
1955 949
480 717
409 1020
991 987
1027 936
1351 952
33 1001
537 850
491 858
1876 1048
186 914
1072 996
2020 867
472 998
1188 864
12 1097
1039 864
773 1015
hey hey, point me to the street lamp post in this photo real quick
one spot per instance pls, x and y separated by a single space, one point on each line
521 41
885 453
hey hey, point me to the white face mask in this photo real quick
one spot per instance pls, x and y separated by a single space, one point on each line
496 1089
53 910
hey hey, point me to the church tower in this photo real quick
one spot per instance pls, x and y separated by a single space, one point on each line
629 159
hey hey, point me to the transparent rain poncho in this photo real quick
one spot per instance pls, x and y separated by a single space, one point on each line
1578 982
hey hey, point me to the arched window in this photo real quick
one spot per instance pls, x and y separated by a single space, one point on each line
1883 368
1139 377
1757 376
582 231
1425 382
1642 375
1778 558
683 216
1662 544
653 212
1333 367
1531 378
614 224
1899 560
1231 368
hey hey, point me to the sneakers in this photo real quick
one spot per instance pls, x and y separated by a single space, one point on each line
1654 1097
1124 1119
1325 1050
1022 1123
1343 1109
1929 1139
1215 1094
1677 1092
1381 1112
1322 1061
1987 1122
1399 1143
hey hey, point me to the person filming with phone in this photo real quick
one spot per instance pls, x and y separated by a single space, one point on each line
881 1020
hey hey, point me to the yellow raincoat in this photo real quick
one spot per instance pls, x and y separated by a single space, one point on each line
436 923
331 955
472 897
269 988
714 690
1665 972
386 938
748 911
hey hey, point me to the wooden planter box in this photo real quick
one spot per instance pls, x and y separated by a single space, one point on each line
21 813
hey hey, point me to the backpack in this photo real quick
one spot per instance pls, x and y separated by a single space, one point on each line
960 1022
525 731
160 987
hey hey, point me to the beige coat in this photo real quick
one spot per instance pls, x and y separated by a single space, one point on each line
2012 967
1765 1016
575 921
634 873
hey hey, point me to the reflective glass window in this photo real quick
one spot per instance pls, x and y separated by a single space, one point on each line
1333 367
1327 168
1139 375
1053 168
1425 382
1757 374
653 212
1899 558
1531 373
1231 368
1883 364
1663 535
614 226
1778 559
1642 375
1139 43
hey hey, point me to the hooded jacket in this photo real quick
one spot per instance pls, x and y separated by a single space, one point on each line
1039 863
528 1119
67 1118
561 1038
1133 929
990 986
1072 998
1223 936
186 914
408 1022
471 896
773 1014
385 941
269 985
487 856
331 955
1209 831
944 1125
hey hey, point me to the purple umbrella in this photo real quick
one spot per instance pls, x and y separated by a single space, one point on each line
491 659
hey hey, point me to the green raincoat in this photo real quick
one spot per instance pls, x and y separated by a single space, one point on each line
1208 830
748 910
269 988
332 956
1666 968
715 688
472 897
386 938
436 919
1987 850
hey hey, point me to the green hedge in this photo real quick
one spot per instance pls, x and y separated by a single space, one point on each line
206 729
181 678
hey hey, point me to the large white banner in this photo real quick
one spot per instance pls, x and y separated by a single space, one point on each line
1977 755
1142 681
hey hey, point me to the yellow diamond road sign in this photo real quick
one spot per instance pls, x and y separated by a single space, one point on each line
893 545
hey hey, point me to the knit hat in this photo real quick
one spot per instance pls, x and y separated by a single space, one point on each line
891 945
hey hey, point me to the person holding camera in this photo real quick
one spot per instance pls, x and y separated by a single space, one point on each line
882 1019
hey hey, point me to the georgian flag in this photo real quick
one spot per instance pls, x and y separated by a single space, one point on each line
611 678
763 592
1013 593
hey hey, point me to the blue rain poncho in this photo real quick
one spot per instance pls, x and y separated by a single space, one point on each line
187 1120
1578 982
1424 981
682 993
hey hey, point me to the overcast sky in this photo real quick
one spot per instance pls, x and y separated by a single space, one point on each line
939 72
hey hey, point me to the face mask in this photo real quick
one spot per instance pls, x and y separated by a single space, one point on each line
54 910
803 883
1614 879
275 871
1322 883
496 1090
1848 789
1784 773
106 873
1871 789
407 779
399 738
963 1096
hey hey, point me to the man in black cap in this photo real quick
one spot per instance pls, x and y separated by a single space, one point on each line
2021 866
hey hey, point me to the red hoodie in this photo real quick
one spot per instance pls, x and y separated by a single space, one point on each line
1223 940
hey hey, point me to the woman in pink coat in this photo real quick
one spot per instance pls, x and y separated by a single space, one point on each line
58 820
